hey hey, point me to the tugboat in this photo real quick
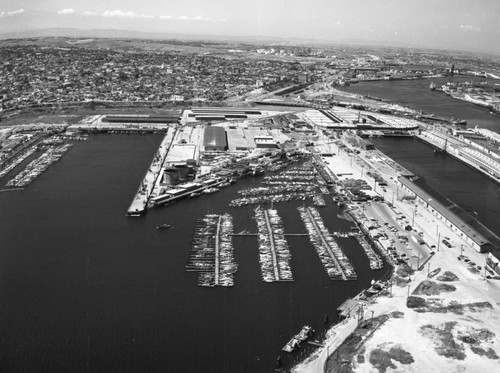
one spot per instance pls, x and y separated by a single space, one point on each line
163 226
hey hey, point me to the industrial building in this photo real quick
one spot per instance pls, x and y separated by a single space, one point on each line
221 113
265 142
455 223
493 261
215 139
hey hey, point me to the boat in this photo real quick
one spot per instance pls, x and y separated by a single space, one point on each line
297 339
164 226
210 190
195 194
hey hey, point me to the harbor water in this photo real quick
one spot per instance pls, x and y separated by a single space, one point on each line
86 289
417 95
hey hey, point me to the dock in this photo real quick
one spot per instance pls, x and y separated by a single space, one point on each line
326 245
335 262
217 253
141 199
271 242
351 306
211 255
274 254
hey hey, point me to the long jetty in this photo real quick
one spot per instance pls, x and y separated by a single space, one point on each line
141 199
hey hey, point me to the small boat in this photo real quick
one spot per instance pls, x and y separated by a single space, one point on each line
163 226
210 190
297 339
195 194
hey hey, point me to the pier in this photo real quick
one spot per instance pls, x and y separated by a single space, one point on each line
374 260
36 167
141 199
326 245
271 242
211 255
274 255
217 253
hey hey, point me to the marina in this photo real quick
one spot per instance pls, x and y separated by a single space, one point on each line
274 254
336 264
298 183
17 161
38 165
211 255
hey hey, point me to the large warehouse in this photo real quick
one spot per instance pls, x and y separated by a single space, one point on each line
454 222
215 139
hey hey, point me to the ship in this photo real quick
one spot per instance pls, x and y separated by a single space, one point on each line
163 226
297 339
432 86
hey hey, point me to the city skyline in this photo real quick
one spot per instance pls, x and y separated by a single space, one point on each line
461 25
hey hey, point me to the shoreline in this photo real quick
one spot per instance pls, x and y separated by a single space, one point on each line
341 335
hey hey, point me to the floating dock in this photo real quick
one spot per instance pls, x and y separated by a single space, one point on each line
274 254
336 264
375 260
36 167
211 255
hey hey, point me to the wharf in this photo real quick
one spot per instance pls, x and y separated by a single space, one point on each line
350 307
141 199
165 199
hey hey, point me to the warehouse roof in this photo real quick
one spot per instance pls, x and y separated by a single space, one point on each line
450 216
215 137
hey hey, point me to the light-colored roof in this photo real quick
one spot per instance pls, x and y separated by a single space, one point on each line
454 219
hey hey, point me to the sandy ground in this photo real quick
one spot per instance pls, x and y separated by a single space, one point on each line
456 326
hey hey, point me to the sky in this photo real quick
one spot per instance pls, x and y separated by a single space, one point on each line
451 24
